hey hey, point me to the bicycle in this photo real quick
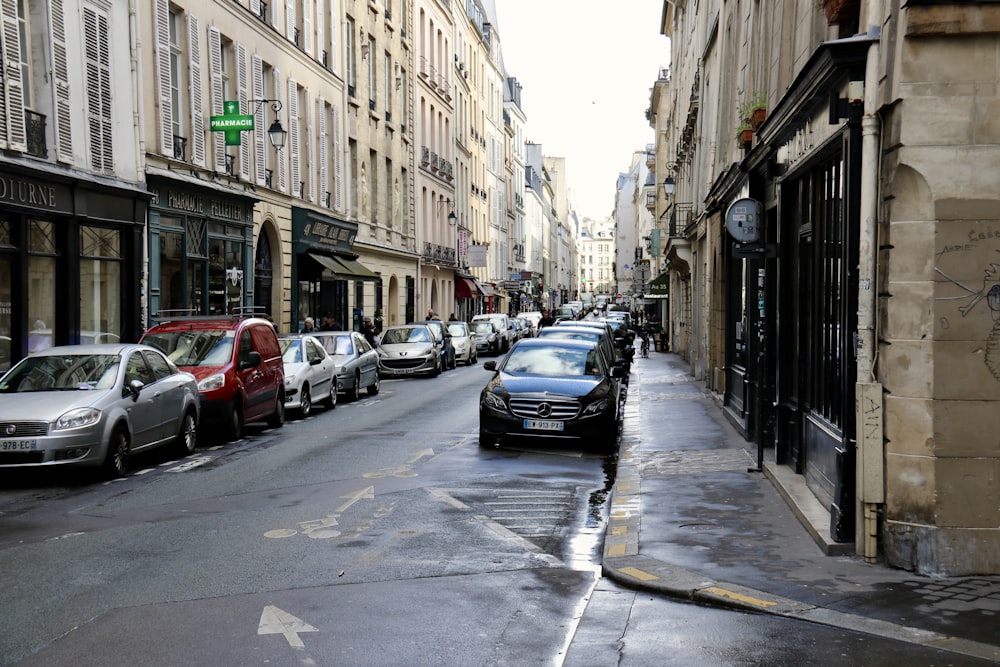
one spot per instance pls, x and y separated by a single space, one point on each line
644 346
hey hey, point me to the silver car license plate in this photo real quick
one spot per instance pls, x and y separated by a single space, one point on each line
543 425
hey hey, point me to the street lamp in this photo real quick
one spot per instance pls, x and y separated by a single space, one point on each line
452 218
276 133
668 186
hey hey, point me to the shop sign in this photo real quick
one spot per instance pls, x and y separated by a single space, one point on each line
319 231
189 201
35 194
231 122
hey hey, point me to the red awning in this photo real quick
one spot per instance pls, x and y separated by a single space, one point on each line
466 289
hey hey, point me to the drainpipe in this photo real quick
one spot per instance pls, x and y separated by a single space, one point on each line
870 456
135 46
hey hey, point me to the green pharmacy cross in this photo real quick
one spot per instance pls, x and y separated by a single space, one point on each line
233 123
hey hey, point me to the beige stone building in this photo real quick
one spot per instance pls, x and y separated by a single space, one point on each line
835 278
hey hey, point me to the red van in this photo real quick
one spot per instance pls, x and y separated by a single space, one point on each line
237 362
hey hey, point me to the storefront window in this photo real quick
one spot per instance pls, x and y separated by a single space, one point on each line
6 243
42 254
225 275
171 266
100 285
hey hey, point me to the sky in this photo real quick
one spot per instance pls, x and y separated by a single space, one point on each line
586 68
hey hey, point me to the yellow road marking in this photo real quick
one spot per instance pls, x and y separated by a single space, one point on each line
616 550
619 530
638 574
722 592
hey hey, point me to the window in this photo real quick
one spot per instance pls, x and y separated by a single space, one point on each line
388 86
372 74
100 282
176 98
42 256
24 66
352 81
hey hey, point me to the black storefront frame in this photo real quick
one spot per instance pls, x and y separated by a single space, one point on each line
68 204
812 97
317 274
202 215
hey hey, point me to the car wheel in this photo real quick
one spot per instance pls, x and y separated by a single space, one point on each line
437 368
305 402
352 393
373 388
277 418
187 439
234 421
487 441
454 362
119 448
474 357
331 400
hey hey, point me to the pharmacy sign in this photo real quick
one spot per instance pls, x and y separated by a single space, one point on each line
232 122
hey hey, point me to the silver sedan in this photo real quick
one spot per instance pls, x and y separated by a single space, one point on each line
95 405
357 361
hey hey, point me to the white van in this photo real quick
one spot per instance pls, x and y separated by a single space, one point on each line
507 333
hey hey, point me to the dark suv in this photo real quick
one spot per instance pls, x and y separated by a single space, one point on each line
443 336
237 362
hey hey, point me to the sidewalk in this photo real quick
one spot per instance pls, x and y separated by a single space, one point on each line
690 520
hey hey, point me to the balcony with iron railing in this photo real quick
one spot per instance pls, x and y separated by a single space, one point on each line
438 253
34 127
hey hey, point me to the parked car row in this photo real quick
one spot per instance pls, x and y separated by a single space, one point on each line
95 405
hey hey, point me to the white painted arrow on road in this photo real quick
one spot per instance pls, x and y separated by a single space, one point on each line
274 621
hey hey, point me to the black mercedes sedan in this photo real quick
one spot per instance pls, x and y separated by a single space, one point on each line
551 389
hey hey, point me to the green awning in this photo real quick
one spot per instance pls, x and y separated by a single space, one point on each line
344 268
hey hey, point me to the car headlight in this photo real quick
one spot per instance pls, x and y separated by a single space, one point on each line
597 407
212 382
290 380
494 401
78 418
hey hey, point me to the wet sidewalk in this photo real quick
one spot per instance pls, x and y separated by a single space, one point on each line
692 519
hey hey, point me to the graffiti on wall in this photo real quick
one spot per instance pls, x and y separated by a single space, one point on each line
971 297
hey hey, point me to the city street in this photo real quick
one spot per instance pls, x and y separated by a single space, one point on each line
378 533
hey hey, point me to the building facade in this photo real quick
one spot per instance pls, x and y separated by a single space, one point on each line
855 340
72 202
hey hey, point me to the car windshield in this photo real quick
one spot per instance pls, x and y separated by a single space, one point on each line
338 345
483 326
458 329
291 350
210 347
553 361
406 335
64 372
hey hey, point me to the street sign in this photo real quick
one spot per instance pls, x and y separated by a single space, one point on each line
743 220
755 250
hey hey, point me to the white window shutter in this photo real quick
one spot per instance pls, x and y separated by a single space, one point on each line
290 20
310 147
321 19
197 139
16 133
259 121
215 77
338 185
282 163
242 87
324 153
162 10
97 62
307 27
60 71
294 154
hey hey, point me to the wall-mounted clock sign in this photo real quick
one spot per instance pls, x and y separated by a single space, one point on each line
743 220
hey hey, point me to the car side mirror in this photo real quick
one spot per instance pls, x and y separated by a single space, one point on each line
490 365
252 360
316 361
135 388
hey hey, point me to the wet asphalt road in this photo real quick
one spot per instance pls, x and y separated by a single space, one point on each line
378 533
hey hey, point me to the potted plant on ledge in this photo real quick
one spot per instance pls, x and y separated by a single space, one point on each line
744 135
